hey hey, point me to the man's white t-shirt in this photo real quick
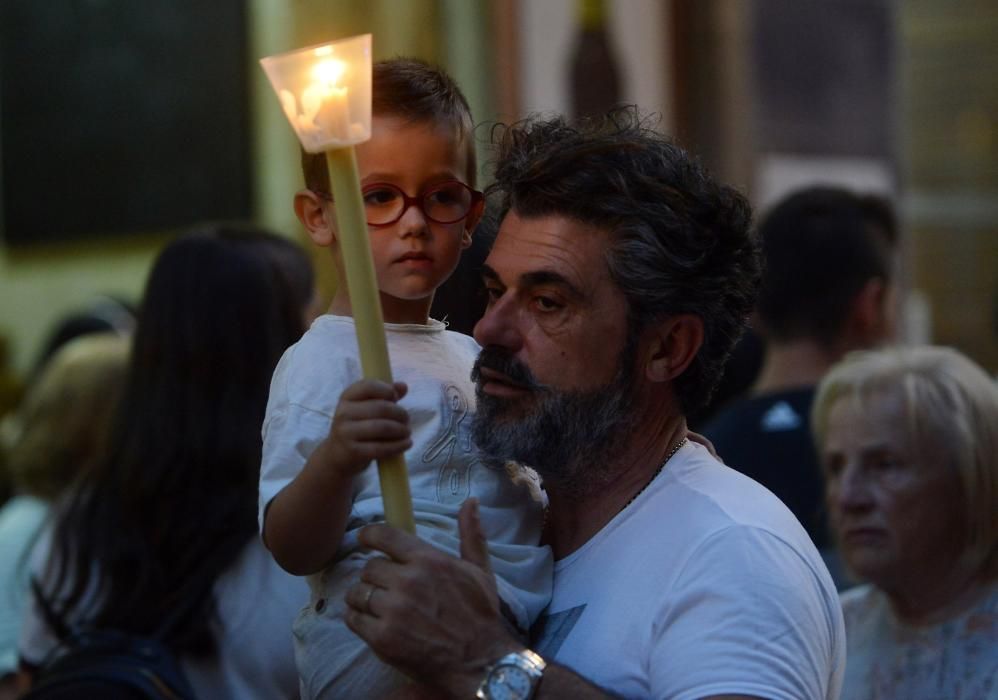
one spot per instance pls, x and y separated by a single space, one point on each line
705 585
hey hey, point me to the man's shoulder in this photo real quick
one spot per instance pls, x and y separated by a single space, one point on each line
710 498
686 561
702 481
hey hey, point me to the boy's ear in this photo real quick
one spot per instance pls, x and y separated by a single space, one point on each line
471 223
313 214
674 343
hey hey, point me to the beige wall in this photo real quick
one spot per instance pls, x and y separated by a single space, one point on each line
41 284
947 123
949 113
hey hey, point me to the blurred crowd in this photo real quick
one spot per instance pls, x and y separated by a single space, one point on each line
131 456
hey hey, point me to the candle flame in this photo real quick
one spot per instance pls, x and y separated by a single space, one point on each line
329 72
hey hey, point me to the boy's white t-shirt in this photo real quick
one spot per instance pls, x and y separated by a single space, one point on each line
704 585
443 464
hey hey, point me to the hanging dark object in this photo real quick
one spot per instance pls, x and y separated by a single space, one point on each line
595 77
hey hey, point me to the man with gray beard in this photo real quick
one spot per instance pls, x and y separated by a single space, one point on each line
590 425
620 277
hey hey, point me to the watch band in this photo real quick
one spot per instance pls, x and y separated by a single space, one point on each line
513 677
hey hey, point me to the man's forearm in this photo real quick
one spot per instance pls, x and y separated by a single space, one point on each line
561 682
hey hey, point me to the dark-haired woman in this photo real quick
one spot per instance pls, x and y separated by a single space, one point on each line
165 527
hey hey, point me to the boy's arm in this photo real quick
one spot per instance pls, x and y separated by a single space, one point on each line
305 522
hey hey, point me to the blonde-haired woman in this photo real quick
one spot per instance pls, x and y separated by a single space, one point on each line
58 432
908 438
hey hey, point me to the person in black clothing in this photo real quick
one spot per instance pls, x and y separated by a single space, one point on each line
827 288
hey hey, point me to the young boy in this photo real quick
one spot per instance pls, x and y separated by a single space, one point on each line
318 485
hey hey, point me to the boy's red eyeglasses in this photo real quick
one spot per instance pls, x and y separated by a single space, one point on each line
443 203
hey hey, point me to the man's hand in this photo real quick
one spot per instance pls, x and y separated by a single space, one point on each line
432 616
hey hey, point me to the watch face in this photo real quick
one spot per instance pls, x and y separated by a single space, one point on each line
509 683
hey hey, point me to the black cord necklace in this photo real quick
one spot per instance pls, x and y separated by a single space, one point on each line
545 518
658 471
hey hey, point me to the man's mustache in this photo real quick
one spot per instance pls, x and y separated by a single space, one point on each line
499 360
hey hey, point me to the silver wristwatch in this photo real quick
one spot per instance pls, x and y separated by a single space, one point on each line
513 677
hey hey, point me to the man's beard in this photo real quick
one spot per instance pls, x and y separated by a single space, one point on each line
569 437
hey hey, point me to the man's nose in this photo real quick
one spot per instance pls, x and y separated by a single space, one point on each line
499 326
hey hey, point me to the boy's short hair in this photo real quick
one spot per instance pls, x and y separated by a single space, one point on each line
417 92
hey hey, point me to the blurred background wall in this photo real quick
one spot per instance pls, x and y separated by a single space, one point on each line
898 97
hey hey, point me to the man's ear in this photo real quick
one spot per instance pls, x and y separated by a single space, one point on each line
674 342
471 223
313 214
869 319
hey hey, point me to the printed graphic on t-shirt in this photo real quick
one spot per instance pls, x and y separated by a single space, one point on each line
779 418
452 448
551 631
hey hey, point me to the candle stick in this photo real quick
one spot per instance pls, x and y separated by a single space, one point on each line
325 92
366 307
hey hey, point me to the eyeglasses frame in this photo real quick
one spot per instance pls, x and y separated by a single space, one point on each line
476 198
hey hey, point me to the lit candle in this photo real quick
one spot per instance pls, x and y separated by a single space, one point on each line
331 113
325 101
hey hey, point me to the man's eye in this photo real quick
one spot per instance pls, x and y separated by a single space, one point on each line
493 293
546 303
